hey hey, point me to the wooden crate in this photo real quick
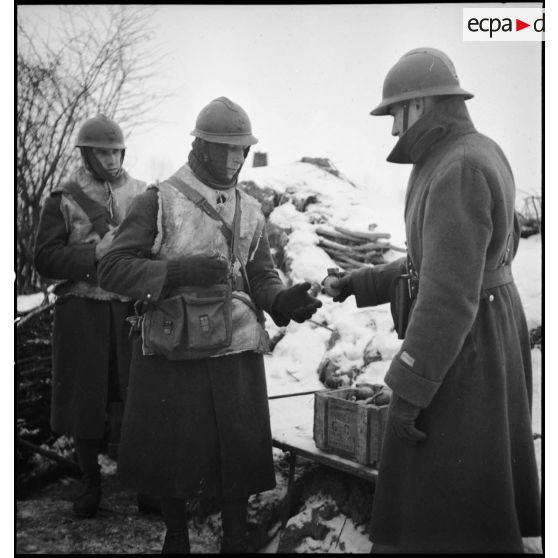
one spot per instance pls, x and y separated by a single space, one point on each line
349 428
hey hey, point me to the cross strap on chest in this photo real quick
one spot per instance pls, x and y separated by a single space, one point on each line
96 212
231 234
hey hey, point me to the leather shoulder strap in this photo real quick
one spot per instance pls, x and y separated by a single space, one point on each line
232 235
201 201
97 213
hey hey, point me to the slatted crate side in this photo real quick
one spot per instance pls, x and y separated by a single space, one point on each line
376 424
323 414
347 428
364 427
342 432
320 421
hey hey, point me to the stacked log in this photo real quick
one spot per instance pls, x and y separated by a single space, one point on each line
39 459
351 249
33 371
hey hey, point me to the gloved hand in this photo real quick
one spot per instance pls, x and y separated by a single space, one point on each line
295 303
102 247
201 270
345 287
402 416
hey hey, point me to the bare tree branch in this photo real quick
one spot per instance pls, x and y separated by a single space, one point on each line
91 60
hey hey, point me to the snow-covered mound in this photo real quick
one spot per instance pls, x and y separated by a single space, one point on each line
337 201
306 198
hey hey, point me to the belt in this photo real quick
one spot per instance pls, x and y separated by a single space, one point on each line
496 277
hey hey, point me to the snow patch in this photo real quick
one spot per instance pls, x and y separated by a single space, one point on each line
26 303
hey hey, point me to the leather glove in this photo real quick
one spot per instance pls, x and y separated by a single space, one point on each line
200 270
102 247
345 287
402 416
295 303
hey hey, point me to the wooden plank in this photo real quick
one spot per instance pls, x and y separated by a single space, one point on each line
335 234
320 422
347 256
20 320
349 261
295 440
395 248
362 418
371 247
73 467
360 235
331 244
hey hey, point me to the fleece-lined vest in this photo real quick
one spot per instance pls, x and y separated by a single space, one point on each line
185 230
117 197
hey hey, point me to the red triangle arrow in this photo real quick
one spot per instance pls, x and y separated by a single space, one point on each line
519 25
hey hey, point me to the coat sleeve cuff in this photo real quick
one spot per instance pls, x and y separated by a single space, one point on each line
363 287
88 262
154 284
270 296
409 385
277 317
173 274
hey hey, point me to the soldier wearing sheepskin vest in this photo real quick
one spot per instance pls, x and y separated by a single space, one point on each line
91 349
199 427
458 472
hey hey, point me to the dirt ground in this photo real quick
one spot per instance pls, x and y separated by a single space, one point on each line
331 513
45 523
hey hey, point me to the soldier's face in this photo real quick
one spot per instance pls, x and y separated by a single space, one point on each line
110 159
235 159
397 110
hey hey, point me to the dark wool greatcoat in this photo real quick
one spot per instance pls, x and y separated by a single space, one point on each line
191 427
472 485
91 349
90 363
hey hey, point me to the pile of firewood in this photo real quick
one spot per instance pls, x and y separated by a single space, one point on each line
355 249
35 439
33 369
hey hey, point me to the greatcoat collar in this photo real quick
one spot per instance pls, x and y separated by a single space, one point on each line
429 130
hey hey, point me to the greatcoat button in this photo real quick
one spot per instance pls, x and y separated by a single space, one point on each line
491 298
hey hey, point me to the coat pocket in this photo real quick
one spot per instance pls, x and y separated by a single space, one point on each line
208 318
163 326
191 324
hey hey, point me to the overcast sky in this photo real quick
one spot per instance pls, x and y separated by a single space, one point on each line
308 76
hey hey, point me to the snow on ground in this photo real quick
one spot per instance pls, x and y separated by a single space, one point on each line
527 272
26 303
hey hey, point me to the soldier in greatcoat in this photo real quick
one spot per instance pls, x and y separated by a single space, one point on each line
458 471
198 425
91 349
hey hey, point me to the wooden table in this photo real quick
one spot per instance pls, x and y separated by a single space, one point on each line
292 422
